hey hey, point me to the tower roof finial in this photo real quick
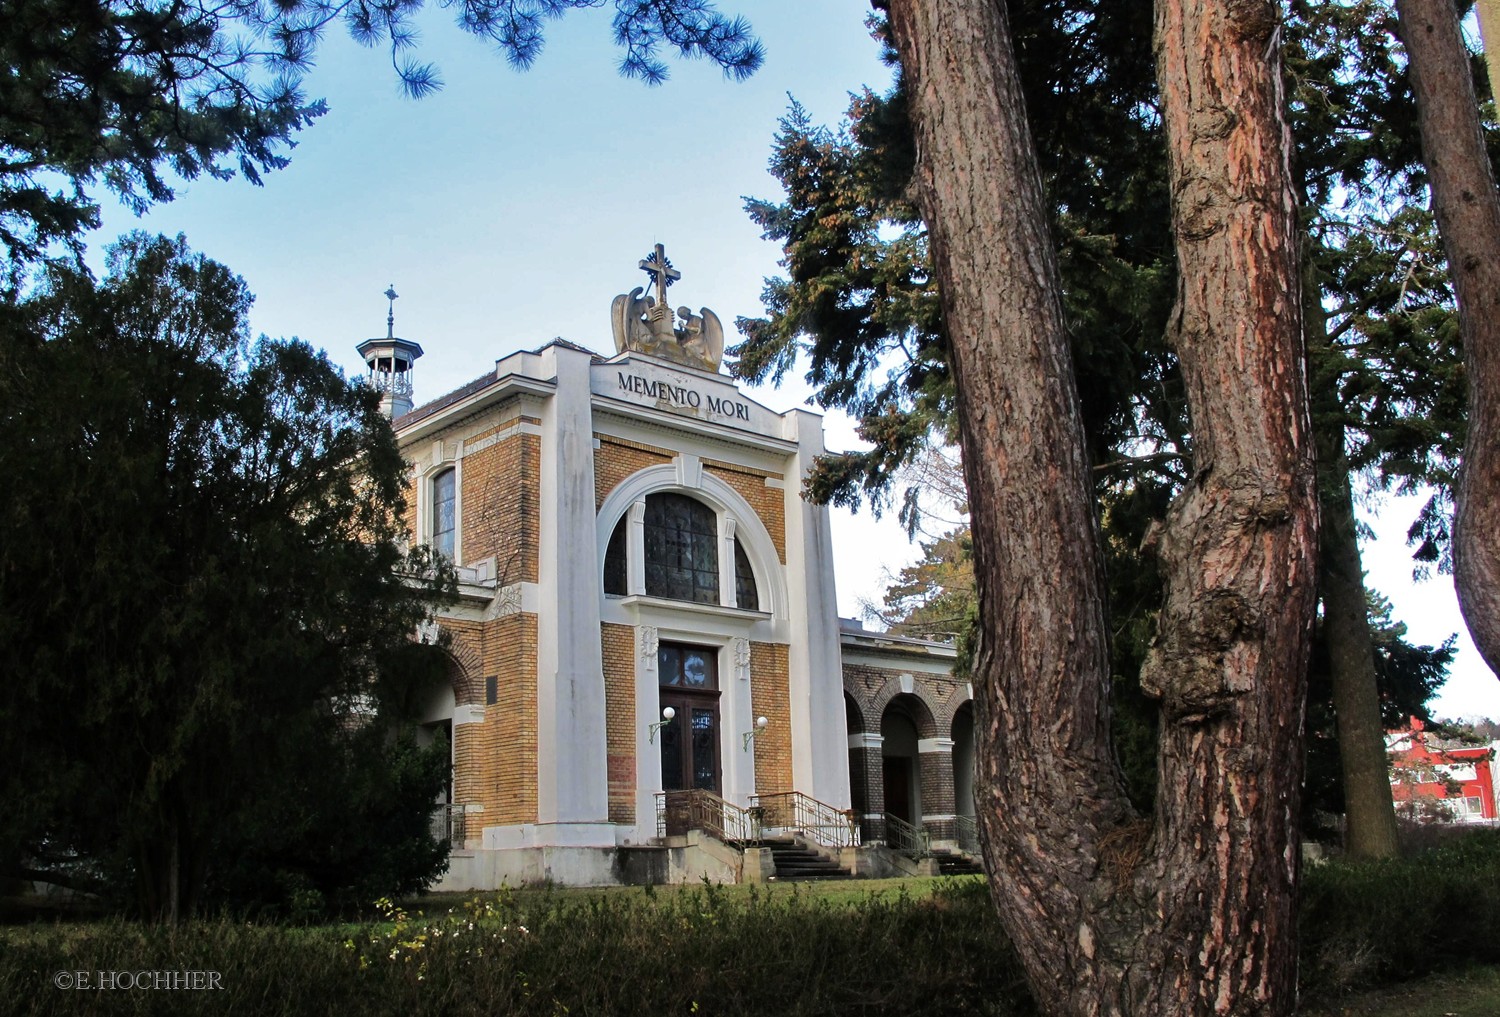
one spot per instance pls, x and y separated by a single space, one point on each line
390 316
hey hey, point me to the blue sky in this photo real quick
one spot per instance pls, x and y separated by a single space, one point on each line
511 207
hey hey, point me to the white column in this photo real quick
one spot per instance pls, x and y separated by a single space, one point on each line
635 549
572 773
727 594
820 762
737 716
647 749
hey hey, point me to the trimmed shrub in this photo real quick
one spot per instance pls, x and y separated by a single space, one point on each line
704 951
1369 922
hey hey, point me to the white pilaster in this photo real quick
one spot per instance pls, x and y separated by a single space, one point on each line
820 761
572 774
737 716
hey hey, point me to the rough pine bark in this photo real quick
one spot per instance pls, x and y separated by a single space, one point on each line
1468 215
1191 913
1370 829
1369 811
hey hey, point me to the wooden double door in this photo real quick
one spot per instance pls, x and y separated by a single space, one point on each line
690 742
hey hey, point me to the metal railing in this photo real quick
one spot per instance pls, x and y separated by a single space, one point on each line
968 835
909 840
819 821
448 824
677 812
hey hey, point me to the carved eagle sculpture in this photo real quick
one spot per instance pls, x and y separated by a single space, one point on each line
628 316
702 337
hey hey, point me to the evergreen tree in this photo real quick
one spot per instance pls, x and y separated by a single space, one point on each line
207 619
128 94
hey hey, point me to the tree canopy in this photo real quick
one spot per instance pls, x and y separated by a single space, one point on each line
129 94
208 622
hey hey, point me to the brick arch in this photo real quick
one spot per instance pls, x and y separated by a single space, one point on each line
855 719
956 698
921 694
464 671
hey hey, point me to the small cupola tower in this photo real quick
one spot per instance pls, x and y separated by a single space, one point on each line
388 364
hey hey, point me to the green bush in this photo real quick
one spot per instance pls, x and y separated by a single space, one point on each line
704 951
1369 922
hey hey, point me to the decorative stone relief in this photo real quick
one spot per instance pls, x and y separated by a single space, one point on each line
428 631
647 325
741 647
508 600
647 643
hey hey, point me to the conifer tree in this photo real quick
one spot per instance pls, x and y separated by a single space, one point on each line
130 95
208 624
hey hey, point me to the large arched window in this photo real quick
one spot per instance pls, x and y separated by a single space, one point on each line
444 512
682 549
681 540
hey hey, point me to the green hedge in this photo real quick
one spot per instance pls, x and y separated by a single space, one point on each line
1370 922
704 951
710 950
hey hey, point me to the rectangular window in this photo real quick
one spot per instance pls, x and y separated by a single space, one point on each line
444 512
491 690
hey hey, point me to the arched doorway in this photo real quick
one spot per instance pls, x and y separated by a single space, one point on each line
859 778
900 773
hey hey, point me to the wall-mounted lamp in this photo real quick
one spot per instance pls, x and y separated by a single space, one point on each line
749 736
667 714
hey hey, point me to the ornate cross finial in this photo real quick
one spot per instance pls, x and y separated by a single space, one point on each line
661 271
390 315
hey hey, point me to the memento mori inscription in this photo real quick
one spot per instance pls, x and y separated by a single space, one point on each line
682 396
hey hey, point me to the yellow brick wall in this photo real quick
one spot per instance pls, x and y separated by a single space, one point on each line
769 503
496 760
616 459
618 644
499 507
770 697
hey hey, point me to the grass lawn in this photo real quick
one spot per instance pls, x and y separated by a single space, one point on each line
1471 993
846 892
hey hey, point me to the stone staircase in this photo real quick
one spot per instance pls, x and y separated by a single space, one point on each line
954 863
795 861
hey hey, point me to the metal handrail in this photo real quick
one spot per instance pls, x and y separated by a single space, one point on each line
909 840
448 824
821 822
968 834
697 809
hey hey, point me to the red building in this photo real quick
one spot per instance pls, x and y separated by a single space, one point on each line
1435 778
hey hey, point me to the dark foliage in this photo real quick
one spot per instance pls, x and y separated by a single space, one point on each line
206 601
131 94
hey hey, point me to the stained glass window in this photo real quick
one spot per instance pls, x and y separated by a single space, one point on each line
689 667
682 549
444 513
744 581
616 567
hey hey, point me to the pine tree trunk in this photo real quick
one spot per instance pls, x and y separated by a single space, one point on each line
1369 811
1370 829
1110 914
1468 214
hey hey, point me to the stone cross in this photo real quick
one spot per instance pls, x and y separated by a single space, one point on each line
664 275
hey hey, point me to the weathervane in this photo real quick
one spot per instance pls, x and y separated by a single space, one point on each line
390 315
647 325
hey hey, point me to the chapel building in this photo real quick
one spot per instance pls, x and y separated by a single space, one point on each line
648 677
